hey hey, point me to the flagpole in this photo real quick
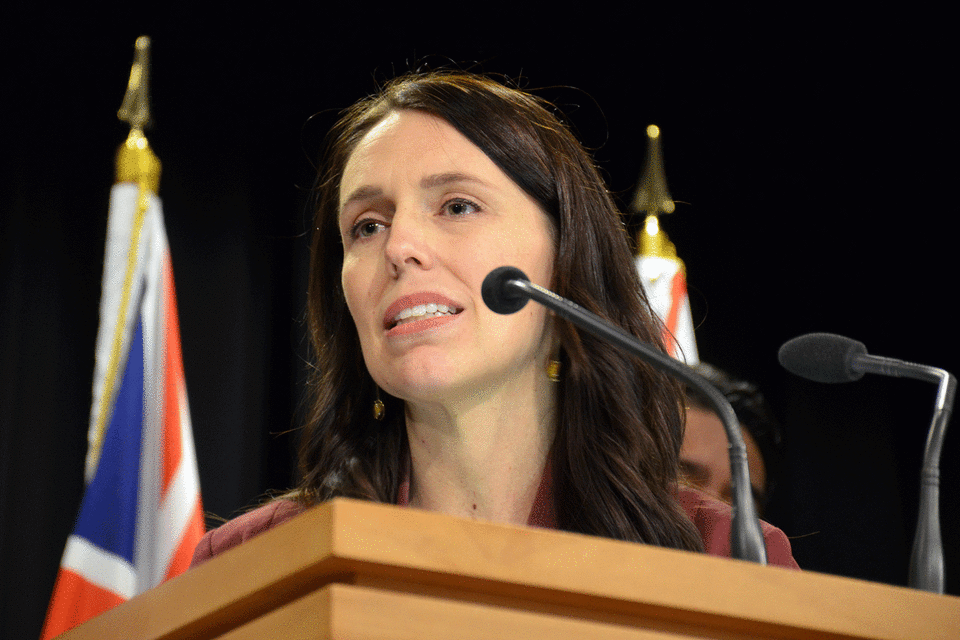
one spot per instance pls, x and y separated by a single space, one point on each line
662 273
135 163
141 515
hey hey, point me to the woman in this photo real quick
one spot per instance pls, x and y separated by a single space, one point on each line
423 396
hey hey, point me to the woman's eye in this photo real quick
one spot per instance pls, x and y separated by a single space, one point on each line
366 228
459 207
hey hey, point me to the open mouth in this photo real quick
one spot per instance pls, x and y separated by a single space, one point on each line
422 312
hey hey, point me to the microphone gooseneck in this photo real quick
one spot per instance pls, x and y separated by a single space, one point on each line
501 290
827 357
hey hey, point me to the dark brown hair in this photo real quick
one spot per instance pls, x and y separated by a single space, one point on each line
615 454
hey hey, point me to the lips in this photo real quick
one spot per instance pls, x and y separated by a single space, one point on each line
418 307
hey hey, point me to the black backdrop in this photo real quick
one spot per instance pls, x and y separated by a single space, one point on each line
809 153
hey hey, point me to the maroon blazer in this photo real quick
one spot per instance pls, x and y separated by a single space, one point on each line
711 517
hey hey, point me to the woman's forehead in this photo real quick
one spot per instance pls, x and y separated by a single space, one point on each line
423 145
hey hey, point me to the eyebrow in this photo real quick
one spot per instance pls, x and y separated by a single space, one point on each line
694 469
429 182
442 179
361 193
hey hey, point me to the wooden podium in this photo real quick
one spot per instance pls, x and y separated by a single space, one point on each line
349 569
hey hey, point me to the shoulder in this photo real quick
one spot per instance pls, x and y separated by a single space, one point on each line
243 528
713 519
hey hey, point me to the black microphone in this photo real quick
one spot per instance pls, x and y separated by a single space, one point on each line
506 290
827 357
822 357
498 292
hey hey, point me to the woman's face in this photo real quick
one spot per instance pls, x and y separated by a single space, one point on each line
425 215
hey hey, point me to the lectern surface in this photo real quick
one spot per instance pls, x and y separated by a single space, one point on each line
350 569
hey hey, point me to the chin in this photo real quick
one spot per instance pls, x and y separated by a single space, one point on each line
421 383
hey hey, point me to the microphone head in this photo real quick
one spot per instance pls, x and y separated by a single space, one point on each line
499 295
822 357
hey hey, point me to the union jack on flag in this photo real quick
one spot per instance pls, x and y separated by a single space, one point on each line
141 513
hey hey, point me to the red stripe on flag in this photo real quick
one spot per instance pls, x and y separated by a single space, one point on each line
174 395
75 601
678 292
173 380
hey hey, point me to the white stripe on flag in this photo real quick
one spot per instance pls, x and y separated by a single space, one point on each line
149 573
99 567
657 276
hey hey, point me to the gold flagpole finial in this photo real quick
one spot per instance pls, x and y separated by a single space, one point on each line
135 109
653 198
652 194
136 162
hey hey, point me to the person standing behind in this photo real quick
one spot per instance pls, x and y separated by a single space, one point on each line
704 455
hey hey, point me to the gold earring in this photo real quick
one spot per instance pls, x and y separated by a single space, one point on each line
378 409
553 370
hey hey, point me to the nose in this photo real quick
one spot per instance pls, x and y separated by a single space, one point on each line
408 243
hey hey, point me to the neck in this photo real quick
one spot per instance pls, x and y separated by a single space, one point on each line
482 458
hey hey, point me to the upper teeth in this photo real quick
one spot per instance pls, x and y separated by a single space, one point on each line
429 309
